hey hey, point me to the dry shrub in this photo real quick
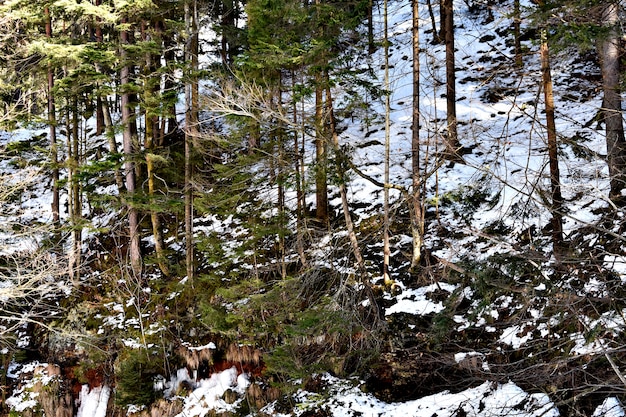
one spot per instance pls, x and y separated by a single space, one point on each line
193 357
243 354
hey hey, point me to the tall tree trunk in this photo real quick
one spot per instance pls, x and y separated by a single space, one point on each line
386 248
609 51
152 137
517 21
417 220
555 182
76 213
437 39
191 127
52 133
321 180
300 185
129 155
452 145
356 249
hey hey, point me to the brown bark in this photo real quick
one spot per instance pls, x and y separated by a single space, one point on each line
191 126
321 181
386 245
452 145
129 154
609 51
356 249
555 182
415 203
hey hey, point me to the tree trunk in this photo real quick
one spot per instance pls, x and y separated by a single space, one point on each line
191 127
52 132
609 52
386 248
555 182
417 221
321 181
517 33
129 155
356 249
452 145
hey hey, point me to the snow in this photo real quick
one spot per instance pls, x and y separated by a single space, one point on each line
93 402
207 393
415 301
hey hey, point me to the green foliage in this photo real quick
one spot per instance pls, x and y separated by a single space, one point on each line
135 371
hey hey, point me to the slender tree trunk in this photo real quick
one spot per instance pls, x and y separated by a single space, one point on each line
436 38
129 155
609 51
555 181
300 195
452 145
371 46
321 181
417 221
356 249
76 213
386 248
191 127
517 33
52 133
152 134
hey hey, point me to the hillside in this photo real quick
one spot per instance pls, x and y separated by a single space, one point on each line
279 318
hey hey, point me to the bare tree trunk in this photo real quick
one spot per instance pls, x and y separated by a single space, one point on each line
452 145
436 38
517 33
52 132
609 51
129 154
191 128
415 205
75 193
356 249
386 249
152 133
110 134
555 181
321 181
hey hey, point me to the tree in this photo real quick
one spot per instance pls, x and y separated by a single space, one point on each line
609 51
556 203
191 125
415 204
452 143
129 140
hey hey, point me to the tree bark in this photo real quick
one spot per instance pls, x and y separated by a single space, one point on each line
52 132
556 208
452 145
415 203
191 128
609 51
356 249
129 155
386 249
321 180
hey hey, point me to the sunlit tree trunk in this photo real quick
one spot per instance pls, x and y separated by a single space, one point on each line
555 180
415 205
